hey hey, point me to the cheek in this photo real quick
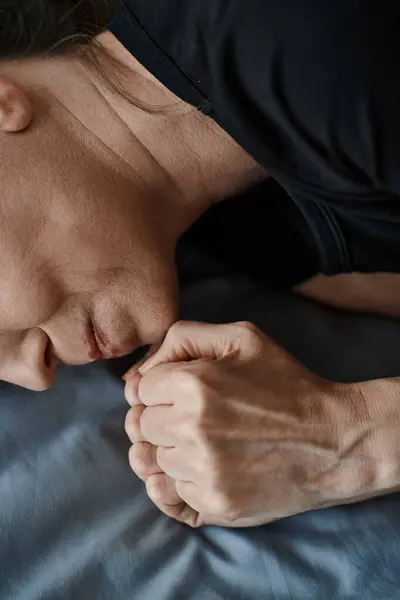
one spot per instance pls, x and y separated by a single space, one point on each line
160 312
29 299
136 299
107 239
129 266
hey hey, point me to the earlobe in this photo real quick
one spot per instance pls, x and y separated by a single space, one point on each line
16 111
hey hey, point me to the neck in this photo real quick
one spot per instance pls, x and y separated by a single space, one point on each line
202 160
181 157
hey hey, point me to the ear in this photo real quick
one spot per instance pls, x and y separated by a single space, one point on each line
16 111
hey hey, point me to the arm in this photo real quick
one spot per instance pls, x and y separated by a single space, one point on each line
227 428
377 293
370 464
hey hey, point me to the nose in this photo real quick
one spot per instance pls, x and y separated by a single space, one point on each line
30 364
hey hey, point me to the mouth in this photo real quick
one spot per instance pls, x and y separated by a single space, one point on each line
99 345
92 342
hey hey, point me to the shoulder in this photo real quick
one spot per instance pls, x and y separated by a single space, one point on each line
322 78
310 85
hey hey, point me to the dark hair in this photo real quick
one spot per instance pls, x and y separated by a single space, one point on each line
46 27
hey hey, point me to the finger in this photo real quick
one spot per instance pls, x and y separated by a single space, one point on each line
143 460
133 370
132 424
175 463
190 493
162 490
132 390
158 386
157 427
193 499
187 341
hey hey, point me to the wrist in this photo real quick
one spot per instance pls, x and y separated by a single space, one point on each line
367 420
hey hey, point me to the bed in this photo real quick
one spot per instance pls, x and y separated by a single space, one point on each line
76 524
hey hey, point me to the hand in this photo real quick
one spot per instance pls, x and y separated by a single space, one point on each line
228 429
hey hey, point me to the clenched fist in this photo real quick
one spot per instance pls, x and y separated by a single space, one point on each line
228 429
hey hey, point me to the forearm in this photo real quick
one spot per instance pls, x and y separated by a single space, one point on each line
377 293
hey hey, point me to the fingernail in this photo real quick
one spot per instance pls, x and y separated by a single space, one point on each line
139 365
133 370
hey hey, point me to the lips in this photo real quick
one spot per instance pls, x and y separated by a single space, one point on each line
99 345
91 342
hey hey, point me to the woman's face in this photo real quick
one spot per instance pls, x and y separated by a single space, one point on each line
86 263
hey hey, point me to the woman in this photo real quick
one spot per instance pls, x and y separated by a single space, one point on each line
105 163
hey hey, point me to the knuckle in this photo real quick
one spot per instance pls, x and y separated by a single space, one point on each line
131 390
209 473
176 330
252 336
217 468
128 421
222 506
223 494
132 422
155 487
139 460
190 383
248 327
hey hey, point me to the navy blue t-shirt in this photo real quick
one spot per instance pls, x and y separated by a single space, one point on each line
310 88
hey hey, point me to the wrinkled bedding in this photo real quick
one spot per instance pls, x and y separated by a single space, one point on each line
75 523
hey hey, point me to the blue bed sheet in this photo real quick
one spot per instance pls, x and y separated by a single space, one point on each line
75 523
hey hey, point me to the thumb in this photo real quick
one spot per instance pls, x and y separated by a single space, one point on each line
135 370
187 341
